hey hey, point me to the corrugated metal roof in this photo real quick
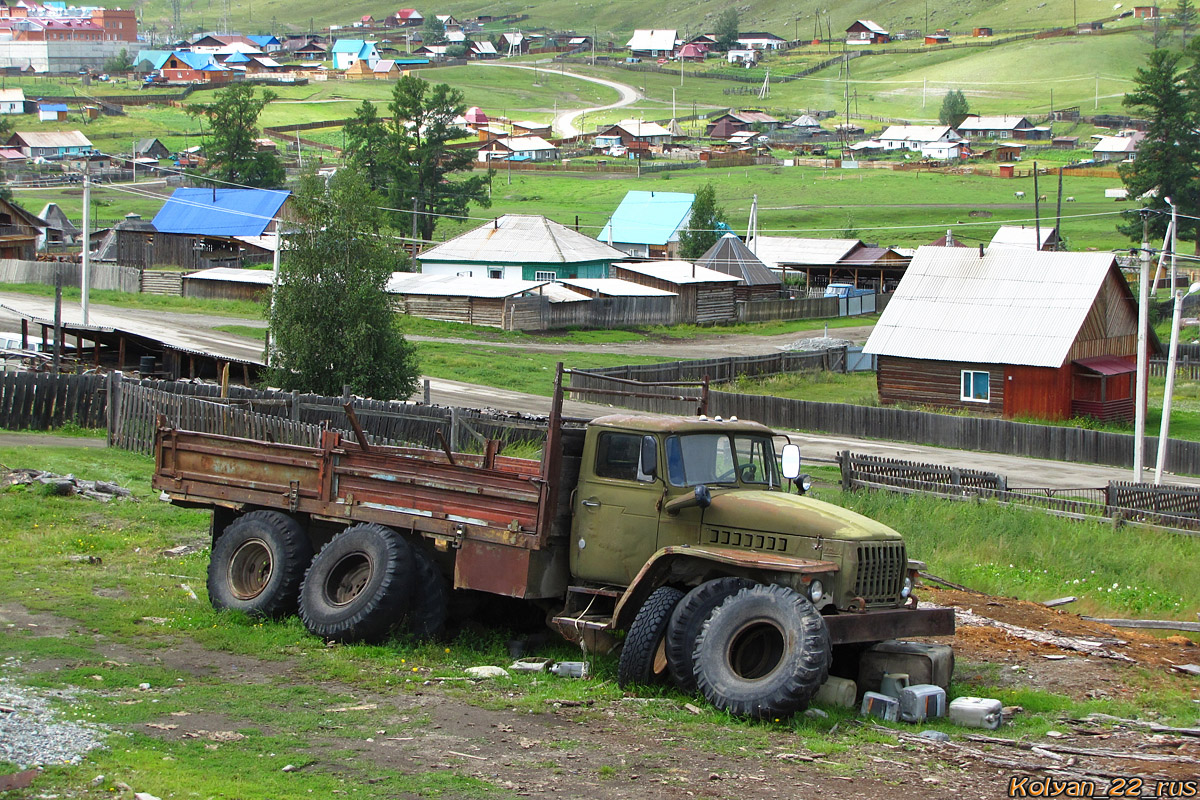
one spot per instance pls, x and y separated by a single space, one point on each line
652 40
526 144
220 212
648 218
731 256
779 251
615 287
916 133
1000 123
1108 365
1020 236
522 239
679 272
458 286
351 46
640 129
1008 307
53 139
12 95
262 277
558 293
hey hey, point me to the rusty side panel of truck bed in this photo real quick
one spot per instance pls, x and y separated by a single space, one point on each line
489 513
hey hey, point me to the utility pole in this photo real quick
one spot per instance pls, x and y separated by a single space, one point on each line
414 224
1037 216
1139 416
85 279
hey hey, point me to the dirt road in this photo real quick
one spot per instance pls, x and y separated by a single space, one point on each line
564 123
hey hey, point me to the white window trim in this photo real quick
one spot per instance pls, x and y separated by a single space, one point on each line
962 395
545 275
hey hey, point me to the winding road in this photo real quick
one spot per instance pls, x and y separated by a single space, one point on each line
564 123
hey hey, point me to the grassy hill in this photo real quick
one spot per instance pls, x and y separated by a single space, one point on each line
616 18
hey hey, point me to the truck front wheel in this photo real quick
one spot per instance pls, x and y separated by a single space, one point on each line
763 653
687 619
257 564
643 656
359 586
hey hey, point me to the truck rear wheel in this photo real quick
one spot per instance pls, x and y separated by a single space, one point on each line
686 621
763 653
431 597
643 656
359 586
257 564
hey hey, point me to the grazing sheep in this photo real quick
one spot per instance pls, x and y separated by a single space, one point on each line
1071 199
1042 198
1019 195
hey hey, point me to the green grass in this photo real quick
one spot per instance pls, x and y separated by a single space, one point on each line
855 388
187 305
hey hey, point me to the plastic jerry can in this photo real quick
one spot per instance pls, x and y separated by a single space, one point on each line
924 663
976 712
921 702
840 692
892 683
879 705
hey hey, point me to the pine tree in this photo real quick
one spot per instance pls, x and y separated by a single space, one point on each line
703 226
229 145
954 108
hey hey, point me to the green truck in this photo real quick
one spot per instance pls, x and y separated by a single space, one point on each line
685 541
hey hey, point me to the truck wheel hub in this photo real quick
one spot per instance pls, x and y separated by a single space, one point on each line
250 569
348 578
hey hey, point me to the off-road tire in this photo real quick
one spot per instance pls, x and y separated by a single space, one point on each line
430 598
686 621
762 653
359 586
643 658
257 564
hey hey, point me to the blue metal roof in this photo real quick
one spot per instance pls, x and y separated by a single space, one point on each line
223 212
352 46
53 107
156 57
649 218
194 60
238 58
263 39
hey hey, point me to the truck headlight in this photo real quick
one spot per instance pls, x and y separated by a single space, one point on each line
907 590
816 591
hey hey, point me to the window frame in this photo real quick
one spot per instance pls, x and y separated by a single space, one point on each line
545 275
962 385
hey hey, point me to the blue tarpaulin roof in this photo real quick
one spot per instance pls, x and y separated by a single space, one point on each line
649 217
225 212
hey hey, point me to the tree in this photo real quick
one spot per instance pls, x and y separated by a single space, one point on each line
1185 17
417 161
456 51
331 322
954 108
433 31
230 147
1168 158
726 29
121 62
704 225
368 145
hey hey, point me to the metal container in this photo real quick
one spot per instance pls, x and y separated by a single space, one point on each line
570 669
924 663
840 692
921 702
976 712
893 683
879 705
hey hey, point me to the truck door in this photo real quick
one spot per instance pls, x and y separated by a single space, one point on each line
615 526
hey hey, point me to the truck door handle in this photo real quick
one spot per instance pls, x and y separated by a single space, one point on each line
592 503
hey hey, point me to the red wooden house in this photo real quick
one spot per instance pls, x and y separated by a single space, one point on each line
1013 333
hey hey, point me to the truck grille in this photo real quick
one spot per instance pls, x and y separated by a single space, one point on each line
881 567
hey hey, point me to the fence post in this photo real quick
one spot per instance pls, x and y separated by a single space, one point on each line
113 410
425 390
295 406
843 460
453 429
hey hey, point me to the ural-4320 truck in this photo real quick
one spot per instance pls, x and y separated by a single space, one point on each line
686 534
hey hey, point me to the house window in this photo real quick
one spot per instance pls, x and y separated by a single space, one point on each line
976 387
545 275
495 272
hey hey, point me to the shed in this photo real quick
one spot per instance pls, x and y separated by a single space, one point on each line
455 298
521 246
614 287
229 283
705 295
1010 333
980 32
52 112
528 128
937 38
865 31
647 224
19 231
731 256
150 148
60 230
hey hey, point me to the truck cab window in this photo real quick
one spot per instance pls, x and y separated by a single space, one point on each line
618 456
715 458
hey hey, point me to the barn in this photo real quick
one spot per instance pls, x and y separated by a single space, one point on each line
731 256
453 298
1012 333
705 295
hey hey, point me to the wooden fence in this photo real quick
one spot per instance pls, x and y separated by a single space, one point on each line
1185 368
806 308
716 369
100 276
538 313
987 434
31 401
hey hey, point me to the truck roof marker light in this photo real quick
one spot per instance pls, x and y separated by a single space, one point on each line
702 416
733 419
718 418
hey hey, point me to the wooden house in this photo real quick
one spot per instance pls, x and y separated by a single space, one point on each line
1010 333
455 298
731 256
647 224
19 231
361 70
229 283
937 38
150 148
981 32
705 296
518 148
865 31
1146 12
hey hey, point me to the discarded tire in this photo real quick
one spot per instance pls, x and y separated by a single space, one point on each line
687 619
430 598
359 586
643 656
763 653
257 564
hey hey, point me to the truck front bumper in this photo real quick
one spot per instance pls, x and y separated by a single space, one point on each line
891 623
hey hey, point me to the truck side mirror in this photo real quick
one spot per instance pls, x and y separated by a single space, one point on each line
649 460
790 458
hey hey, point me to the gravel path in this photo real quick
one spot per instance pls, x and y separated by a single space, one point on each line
32 732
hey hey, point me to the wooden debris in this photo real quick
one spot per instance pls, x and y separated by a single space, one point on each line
946 583
1095 647
1190 669
1152 624
1059 601
1137 723
465 755
64 485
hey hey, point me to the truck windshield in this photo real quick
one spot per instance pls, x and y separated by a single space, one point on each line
696 458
